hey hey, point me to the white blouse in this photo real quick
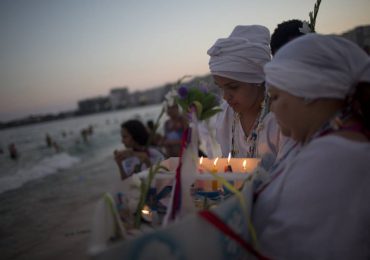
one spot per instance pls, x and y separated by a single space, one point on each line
318 207
269 141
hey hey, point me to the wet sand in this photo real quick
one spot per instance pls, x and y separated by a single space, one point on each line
53 220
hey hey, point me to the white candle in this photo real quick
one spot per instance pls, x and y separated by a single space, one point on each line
214 170
200 169
245 165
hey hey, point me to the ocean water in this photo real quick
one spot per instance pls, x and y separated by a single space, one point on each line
44 186
37 160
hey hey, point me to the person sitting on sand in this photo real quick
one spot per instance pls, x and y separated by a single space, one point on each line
173 129
137 156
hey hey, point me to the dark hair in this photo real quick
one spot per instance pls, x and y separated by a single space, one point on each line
362 96
150 124
137 130
285 32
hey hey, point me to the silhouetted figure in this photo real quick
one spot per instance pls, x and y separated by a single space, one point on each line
84 134
13 151
49 141
90 130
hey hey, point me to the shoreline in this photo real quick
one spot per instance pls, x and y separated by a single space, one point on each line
53 221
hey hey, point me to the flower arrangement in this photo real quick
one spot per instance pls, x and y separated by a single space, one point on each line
198 99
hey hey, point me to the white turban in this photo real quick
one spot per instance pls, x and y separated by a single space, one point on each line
317 66
242 55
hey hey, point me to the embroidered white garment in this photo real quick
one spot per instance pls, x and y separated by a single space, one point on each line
269 140
129 164
318 207
317 66
242 55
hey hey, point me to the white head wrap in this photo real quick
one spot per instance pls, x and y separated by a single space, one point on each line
242 55
317 66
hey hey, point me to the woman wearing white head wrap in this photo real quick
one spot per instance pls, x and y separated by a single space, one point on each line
236 64
316 204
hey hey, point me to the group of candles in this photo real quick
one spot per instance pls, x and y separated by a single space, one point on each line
214 169
228 167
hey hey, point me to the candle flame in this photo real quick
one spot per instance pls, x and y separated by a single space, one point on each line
201 160
244 164
215 162
145 211
228 158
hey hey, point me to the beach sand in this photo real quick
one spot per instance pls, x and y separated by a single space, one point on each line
53 221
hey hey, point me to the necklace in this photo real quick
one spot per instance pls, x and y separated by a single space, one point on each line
257 126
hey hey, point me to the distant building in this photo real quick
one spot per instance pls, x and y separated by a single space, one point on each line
93 105
156 95
138 98
361 36
119 98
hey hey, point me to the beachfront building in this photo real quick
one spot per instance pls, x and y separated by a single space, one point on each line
361 36
93 105
119 98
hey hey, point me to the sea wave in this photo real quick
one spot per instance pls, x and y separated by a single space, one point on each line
45 167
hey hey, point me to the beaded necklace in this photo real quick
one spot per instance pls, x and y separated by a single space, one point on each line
252 137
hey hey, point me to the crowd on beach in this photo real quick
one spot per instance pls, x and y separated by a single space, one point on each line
299 100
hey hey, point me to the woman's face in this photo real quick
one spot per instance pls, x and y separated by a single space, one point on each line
173 111
127 139
290 113
239 95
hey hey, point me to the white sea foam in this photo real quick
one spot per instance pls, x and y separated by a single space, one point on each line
47 166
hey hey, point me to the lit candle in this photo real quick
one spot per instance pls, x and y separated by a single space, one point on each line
200 169
146 213
200 184
239 184
245 165
228 167
214 170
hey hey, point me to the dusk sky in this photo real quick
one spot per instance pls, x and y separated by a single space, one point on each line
56 52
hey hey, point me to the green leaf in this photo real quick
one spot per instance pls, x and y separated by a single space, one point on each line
209 101
198 107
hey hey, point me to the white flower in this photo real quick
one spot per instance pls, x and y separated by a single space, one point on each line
169 98
305 28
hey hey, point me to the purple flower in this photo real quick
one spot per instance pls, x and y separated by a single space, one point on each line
183 92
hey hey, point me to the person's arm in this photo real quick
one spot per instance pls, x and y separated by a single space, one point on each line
119 156
143 157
